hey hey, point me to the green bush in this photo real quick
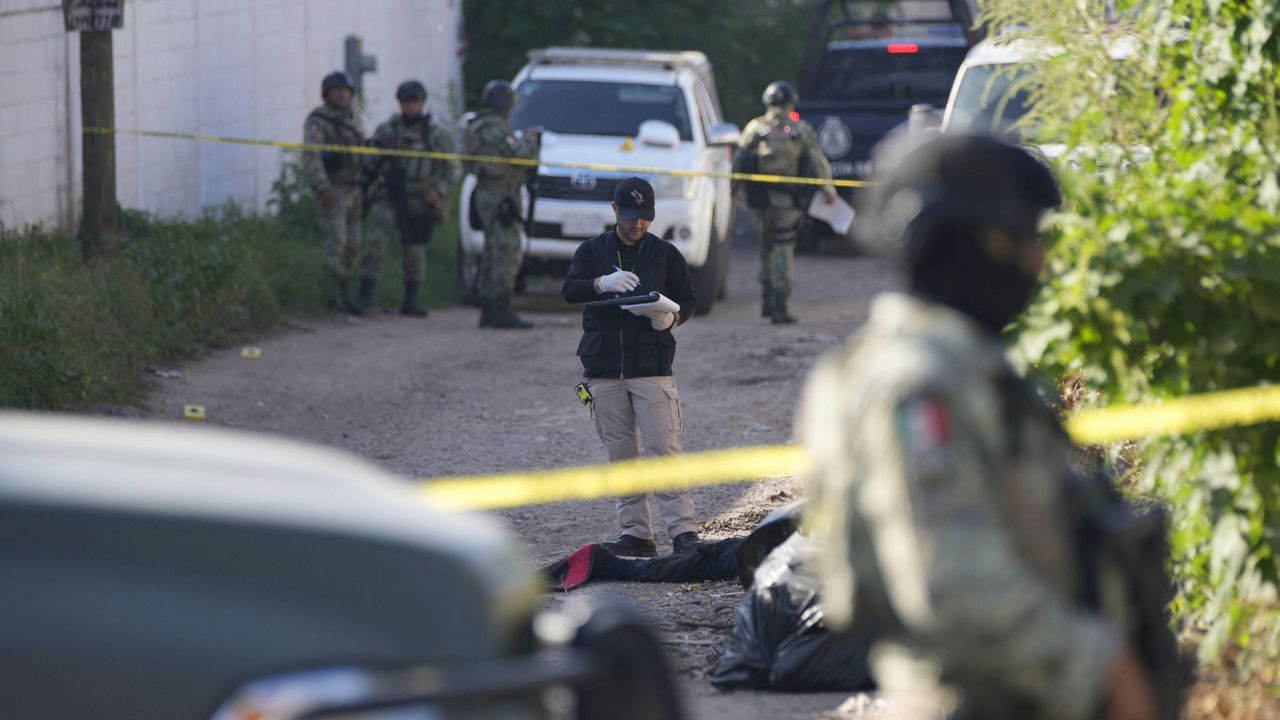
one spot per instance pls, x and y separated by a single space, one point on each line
1165 279
75 334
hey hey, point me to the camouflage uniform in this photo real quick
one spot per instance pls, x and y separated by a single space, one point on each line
489 134
780 143
341 174
420 174
938 496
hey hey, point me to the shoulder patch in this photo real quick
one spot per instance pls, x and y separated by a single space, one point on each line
923 424
925 437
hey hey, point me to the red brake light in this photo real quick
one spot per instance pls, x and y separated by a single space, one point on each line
903 48
795 116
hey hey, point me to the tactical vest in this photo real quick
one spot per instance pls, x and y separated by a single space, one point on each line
780 149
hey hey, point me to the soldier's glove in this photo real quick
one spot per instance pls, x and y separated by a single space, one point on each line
660 319
620 281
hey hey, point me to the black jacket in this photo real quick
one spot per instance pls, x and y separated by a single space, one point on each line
616 343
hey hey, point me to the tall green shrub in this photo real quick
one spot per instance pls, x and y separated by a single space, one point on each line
1165 278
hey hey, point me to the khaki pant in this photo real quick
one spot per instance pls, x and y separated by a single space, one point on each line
643 410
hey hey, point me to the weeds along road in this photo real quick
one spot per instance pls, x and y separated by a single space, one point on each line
438 396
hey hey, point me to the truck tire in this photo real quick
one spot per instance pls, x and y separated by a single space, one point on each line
708 279
468 275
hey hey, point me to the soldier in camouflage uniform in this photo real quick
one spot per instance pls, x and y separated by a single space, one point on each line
497 199
777 144
409 195
940 479
335 179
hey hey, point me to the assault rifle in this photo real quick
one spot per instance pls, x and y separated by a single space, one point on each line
1112 535
414 229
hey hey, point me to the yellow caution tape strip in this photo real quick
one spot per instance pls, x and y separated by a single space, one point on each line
631 477
433 155
1209 411
1178 416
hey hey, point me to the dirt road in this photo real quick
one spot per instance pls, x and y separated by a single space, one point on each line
439 397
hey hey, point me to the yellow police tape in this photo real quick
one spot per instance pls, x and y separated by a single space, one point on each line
434 155
1209 411
1178 416
630 477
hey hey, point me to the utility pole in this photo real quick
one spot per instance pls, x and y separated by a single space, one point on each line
95 20
98 154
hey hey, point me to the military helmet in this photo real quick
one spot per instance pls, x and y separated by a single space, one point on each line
780 93
954 214
411 90
336 79
954 183
498 95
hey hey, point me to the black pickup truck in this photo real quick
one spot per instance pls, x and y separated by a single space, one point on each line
866 64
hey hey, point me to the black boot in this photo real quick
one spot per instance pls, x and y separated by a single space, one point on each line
333 294
352 308
365 299
486 313
505 319
780 316
410 305
766 300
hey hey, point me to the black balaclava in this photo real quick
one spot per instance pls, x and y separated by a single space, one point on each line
934 208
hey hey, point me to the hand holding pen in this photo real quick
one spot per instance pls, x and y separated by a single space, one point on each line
619 281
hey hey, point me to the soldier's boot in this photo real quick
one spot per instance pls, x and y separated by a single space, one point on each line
779 314
505 319
766 301
486 313
351 307
365 299
333 294
410 305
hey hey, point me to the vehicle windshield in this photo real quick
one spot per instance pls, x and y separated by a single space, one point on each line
598 108
993 98
879 70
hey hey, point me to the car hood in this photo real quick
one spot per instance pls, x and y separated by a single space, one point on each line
577 150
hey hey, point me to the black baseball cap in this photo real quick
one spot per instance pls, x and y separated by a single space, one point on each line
634 198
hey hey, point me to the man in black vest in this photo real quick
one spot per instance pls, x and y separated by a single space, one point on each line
627 357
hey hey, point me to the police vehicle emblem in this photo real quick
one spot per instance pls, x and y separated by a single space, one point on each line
582 181
834 138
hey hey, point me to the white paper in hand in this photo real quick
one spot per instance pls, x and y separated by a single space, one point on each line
662 304
839 214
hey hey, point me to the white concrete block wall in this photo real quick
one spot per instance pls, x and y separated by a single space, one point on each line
34 147
237 68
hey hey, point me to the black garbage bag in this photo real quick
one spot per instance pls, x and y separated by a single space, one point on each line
779 640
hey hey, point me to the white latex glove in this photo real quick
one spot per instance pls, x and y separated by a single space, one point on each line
660 319
620 282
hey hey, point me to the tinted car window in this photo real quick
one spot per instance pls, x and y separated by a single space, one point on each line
888 70
598 108
992 98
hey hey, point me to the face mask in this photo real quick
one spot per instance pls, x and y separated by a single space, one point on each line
960 274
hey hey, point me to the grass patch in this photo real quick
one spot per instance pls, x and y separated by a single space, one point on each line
76 334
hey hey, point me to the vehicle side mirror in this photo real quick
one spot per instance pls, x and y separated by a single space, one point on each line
923 117
723 134
658 133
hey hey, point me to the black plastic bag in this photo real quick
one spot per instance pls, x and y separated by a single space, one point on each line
779 640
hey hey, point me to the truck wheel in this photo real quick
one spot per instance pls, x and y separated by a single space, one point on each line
468 275
708 278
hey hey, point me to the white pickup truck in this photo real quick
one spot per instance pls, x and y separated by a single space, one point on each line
621 108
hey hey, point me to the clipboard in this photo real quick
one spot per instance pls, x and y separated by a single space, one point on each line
641 299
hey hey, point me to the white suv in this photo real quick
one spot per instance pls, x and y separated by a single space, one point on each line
632 108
